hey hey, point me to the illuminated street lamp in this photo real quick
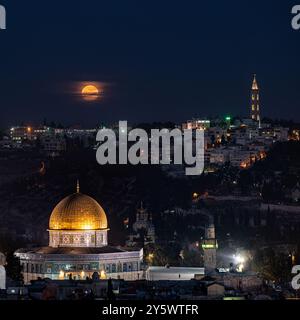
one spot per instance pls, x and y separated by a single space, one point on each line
195 195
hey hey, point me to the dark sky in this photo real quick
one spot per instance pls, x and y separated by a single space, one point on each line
163 60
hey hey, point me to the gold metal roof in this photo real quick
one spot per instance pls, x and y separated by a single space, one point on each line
78 212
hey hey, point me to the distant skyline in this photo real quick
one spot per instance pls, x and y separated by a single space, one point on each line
167 61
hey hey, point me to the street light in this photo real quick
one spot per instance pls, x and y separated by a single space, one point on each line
239 259
240 262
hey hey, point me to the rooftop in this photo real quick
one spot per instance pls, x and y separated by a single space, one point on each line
75 251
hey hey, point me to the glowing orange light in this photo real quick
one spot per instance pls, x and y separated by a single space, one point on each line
61 275
102 275
87 227
90 89
244 165
90 92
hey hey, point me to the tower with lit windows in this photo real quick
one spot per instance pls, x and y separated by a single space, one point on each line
255 102
210 246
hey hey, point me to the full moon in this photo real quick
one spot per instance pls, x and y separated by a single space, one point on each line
90 92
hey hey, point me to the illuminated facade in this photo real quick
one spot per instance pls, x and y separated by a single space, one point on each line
143 228
255 102
210 246
78 246
196 124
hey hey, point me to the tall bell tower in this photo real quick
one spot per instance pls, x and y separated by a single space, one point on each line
255 102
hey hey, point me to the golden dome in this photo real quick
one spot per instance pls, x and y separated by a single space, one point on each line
78 212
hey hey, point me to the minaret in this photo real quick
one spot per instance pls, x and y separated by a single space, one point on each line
210 246
255 104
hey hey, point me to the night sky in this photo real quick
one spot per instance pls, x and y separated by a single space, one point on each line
159 60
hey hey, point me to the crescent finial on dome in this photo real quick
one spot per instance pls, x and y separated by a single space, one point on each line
78 186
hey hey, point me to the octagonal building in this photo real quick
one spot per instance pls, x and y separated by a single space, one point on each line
78 246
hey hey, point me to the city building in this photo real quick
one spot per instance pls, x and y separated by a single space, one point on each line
143 230
218 156
2 271
196 124
53 145
242 281
78 246
20 134
143 227
155 273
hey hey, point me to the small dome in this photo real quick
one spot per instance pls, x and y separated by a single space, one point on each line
78 212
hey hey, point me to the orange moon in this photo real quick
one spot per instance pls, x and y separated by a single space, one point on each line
90 92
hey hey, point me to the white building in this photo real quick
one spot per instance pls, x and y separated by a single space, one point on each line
196 124
219 156
2 278
54 145
155 273
2 272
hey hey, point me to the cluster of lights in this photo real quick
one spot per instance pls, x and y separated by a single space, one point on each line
62 275
247 163
240 262
103 275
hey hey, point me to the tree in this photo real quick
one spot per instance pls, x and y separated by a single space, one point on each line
158 255
223 140
14 268
273 266
192 258
110 292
